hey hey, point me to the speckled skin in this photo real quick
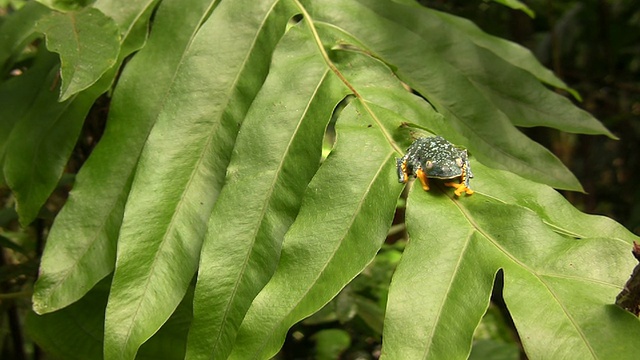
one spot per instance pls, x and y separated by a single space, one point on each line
436 158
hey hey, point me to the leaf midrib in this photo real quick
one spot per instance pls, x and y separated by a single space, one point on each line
316 37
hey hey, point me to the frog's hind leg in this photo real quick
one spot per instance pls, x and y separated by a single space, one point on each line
422 176
401 167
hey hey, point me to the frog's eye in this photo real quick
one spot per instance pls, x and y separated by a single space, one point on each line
459 162
429 164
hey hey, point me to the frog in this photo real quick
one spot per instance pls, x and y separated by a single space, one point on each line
435 157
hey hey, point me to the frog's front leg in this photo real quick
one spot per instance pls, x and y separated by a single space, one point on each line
464 181
422 176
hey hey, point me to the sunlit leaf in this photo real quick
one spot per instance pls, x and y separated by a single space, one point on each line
440 74
323 251
449 265
182 168
88 43
262 193
94 225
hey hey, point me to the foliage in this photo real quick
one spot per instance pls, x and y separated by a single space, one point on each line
207 206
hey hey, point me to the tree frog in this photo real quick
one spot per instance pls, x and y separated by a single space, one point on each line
435 157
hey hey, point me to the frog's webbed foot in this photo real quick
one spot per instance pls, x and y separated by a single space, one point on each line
422 176
460 188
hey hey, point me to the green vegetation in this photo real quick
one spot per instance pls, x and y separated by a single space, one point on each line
217 216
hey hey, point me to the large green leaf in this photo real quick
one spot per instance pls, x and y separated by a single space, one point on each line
34 166
261 196
210 163
182 168
88 43
323 250
94 225
556 287
514 53
437 67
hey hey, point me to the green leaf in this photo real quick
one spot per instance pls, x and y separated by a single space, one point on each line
35 166
357 181
556 288
132 18
552 208
182 167
28 86
285 125
76 332
514 53
323 251
17 31
88 43
39 145
94 225
440 74
517 5
531 105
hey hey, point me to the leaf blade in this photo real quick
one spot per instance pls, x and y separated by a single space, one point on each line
41 134
108 171
88 43
440 276
255 214
185 156
473 121
532 256
316 261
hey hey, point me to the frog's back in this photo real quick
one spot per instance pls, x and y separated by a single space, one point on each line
439 158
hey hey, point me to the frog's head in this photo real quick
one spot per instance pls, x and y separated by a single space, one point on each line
446 164
445 168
